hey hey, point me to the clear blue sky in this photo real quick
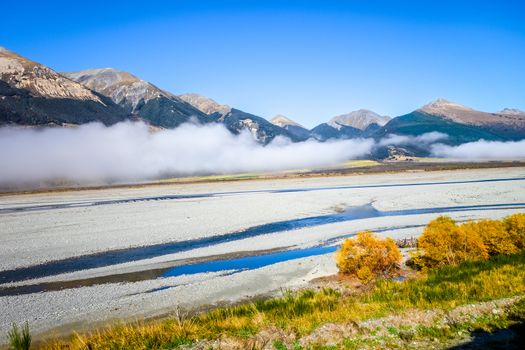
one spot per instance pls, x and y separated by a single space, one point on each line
309 60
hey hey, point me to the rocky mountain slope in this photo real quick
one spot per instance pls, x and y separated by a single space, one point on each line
139 97
360 123
205 104
33 94
325 131
360 119
511 111
236 120
504 124
461 123
294 128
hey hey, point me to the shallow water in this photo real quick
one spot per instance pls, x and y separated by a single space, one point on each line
253 260
139 253
237 264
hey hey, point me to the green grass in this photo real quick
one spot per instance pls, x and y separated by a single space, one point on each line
450 286
302 312
19 338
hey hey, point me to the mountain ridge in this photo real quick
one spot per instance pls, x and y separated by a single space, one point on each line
139 97
205 104
33 94
359 119
461 123
236 120
294 128
282 121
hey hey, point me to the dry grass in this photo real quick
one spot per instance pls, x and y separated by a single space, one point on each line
359 163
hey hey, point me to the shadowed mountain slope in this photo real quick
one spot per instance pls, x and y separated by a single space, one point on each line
33 94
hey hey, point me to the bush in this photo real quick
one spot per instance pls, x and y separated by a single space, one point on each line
20 339
515 226
367 256
445 243
494 235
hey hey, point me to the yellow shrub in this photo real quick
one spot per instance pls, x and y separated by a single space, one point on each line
494 235
515 225
367 256
444 243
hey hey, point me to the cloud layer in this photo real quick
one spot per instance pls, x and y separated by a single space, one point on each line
421 140
93 153
128 151
480 150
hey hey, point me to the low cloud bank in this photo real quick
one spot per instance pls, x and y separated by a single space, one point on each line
128 151
421 140
480 150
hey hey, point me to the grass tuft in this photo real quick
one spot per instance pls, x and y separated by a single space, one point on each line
20 338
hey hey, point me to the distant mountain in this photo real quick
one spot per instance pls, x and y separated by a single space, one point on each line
462 124
33 94
507 125
360 119
139 97
360 123
296 129
236 120
261 129
324 131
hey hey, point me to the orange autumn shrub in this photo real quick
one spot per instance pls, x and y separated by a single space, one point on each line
515 226
368 256
494 235
445 243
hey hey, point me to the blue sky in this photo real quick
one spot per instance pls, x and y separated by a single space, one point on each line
309 60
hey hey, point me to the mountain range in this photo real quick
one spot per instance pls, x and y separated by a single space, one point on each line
138 98
32 94
460 123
